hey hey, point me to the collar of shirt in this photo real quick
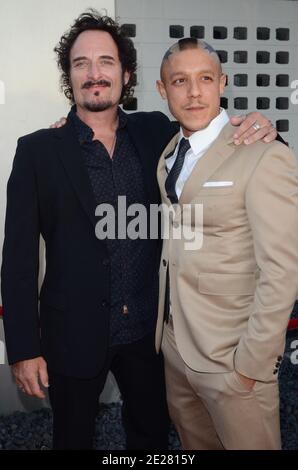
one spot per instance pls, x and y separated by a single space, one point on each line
201 140
84 132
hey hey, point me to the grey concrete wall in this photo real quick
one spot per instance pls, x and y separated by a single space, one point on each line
154 22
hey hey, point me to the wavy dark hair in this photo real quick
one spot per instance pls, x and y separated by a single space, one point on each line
91 20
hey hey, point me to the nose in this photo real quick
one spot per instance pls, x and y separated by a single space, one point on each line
194 89
94 71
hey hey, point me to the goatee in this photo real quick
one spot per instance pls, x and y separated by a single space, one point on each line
97 107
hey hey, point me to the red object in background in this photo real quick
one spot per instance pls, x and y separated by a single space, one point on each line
293 324
1 311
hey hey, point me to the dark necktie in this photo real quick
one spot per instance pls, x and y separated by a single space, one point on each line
172 177
170 185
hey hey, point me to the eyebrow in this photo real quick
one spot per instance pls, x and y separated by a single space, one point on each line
86 58
182 72
109 57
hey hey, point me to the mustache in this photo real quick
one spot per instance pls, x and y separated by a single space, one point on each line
91 83
194 105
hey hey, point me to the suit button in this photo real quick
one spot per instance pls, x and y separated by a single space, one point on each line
277 365
279 358
106 262
125 310
104 303
164 262
275 371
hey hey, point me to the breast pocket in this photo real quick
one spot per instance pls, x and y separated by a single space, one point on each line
216 191
221 205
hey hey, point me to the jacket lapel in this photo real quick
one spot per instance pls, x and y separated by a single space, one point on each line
72 159
215 156
161 169
144 152
149 148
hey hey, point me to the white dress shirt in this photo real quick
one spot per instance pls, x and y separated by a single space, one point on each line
200 142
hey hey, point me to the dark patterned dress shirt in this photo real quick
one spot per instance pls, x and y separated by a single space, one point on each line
134 287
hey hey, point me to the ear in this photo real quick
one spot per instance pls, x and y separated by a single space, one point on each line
161 89
126 77
222 83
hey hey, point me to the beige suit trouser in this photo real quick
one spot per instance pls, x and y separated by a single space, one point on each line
214 410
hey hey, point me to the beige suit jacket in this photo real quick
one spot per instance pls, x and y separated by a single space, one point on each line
231 299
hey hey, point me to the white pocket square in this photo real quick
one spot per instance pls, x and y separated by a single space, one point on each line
217 184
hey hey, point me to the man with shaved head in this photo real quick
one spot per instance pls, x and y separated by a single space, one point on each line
172 70
225 303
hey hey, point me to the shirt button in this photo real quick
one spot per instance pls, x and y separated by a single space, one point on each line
106 262
176 225
125 310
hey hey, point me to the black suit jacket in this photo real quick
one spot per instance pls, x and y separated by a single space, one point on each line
49 193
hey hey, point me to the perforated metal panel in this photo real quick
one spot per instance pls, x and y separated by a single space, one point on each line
257 41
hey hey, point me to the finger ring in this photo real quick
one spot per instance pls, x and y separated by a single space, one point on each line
256 126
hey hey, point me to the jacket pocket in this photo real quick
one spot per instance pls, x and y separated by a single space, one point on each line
227 284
